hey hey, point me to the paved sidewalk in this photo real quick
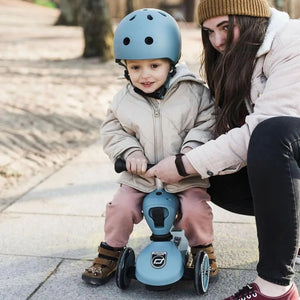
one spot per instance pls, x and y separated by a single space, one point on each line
50 234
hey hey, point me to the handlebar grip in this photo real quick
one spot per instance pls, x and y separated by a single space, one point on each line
120 165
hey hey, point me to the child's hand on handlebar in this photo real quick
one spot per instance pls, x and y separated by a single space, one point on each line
136 163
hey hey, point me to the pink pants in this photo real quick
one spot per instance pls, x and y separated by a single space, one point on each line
125 210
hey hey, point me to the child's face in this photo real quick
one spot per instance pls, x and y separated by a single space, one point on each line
148 74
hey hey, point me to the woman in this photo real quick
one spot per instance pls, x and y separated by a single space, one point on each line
252 66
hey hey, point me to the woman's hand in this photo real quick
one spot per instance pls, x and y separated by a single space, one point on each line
136 163
165 170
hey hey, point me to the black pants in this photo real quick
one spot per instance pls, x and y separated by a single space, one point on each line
269 189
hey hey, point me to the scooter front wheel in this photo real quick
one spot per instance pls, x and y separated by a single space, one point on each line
201 279
126 268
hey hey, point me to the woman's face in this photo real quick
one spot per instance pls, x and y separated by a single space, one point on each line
217 29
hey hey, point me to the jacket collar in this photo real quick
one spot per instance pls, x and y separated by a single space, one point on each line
182 73
277 20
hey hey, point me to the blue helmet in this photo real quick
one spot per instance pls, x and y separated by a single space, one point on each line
147 34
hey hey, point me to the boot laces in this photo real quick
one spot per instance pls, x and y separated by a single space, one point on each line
245 293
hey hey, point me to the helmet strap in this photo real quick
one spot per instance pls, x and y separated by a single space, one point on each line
126 75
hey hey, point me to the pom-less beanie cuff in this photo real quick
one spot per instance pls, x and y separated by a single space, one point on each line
214 8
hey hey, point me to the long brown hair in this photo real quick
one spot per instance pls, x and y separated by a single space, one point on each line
229 74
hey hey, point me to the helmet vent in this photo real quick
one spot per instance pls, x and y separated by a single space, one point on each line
149 40
149 17
126 41
162 14
132 18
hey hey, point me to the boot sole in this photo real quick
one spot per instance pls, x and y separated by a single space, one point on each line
214 278
96 281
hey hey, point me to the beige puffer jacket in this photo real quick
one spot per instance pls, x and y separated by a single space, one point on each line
159 128
275 91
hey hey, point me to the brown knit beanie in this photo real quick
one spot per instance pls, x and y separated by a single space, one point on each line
214 8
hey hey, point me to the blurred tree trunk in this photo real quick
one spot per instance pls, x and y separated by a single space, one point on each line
69 10
129 6
189 9
97 29
294 9
93 16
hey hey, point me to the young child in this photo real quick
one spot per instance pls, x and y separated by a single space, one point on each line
163 110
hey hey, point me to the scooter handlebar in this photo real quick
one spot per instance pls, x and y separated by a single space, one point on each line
120 165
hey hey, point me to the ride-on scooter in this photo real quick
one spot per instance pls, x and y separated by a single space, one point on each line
162 262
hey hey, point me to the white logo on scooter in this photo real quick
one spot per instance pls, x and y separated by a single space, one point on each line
158 259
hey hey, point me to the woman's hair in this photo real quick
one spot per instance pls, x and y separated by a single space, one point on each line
229 74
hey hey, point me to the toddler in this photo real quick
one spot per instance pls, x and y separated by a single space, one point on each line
163 110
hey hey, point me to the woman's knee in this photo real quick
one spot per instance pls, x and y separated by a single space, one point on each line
276 128
273 135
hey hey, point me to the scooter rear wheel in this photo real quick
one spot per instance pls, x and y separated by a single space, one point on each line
125 269
201 279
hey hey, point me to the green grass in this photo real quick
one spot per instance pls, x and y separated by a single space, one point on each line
46 3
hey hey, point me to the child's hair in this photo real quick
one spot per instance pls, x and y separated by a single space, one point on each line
147 34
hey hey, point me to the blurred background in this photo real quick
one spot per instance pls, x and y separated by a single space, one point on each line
180 8
93 13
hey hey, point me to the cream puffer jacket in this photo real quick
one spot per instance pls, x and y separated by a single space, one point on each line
159 128
275 91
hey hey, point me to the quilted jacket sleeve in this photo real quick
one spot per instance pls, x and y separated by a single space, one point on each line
117 142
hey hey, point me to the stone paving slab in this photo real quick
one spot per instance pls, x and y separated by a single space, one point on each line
48 235
21 275
72 190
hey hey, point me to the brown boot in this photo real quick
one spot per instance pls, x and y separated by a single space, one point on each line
104 266
209 249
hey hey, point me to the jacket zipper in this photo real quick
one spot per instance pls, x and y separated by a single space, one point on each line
157 126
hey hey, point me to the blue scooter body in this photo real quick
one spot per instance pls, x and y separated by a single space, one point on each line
160 263
160 209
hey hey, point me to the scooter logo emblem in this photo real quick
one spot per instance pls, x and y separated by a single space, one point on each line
158 259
